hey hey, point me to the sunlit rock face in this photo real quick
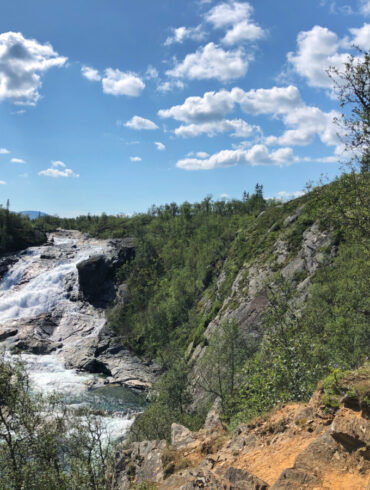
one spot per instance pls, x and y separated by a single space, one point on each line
60 330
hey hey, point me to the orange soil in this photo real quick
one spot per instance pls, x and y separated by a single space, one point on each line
344 481
268 462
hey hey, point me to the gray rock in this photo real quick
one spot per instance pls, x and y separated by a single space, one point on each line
244 480
180 436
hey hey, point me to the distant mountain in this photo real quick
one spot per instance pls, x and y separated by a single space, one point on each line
33 214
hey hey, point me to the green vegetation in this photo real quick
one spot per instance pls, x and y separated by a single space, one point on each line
43 445
17 232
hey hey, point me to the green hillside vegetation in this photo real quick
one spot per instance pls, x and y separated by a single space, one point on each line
17 232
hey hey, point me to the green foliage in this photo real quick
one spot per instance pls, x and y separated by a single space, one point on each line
169 406
226 352
42 445
18 232
297 352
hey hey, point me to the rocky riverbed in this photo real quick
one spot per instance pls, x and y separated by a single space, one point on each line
52 313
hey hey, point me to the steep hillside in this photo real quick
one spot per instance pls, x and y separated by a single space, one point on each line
306 446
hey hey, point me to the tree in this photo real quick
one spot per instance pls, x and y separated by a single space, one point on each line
352 87
221 364
43 445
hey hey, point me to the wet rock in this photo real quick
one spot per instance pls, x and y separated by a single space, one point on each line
7 332
6 263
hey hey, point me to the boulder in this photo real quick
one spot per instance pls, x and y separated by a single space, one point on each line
351 430
244 480
180 436
96 274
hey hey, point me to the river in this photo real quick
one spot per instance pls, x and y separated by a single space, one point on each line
44 319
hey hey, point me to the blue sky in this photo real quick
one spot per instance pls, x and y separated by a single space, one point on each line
114 106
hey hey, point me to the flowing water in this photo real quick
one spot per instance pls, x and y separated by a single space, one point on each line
45 281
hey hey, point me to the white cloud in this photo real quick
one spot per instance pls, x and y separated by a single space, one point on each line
231 13
237 17
17 160
54 171
180 34
22 63
2 182
151 73
202 154
276 100
170 85
238 128
116 82
58 163
4 151
206 115
243 31
285 196
365 7
225 196
160 146
212 106
212 61
135 159
255 156
140 123
361 36
319 49
305 123
91 74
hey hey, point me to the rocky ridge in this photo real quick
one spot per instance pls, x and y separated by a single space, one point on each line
297 446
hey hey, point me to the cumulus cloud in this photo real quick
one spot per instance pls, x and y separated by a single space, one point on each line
206 115
22 64
91 74
237 17
169 85
212 61
58 169
17 160
255 156
320 48
307 122
4 151
237 127
140 123
160 146
116 82
212 106
202 154
180 34
365 7
135 159
2 182
361 36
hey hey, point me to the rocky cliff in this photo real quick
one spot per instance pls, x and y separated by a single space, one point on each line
296 446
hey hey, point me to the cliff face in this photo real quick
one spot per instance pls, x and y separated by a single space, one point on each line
248 301
296 446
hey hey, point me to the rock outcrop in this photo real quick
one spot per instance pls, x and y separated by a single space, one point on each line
297 446
96 274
